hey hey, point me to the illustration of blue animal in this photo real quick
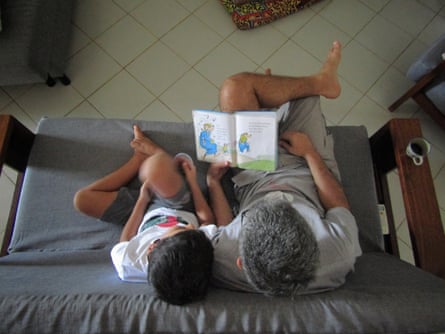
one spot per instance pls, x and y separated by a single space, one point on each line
243 143
205 140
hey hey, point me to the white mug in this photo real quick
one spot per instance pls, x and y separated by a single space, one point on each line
417 149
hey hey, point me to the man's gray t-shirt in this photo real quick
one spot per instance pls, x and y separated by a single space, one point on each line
337 239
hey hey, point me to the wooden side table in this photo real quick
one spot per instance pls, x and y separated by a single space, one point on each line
388 147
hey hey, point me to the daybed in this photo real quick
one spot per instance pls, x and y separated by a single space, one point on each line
58 277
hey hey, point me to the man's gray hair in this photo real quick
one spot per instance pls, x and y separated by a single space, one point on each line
278 249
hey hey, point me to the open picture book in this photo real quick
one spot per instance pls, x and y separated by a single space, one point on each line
248 139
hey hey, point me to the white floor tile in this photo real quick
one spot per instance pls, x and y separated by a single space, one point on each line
317 36
158 111
292 60
376 5
258 44
389 87
128 5
435 5
367 112
4 99
94 17
192 50
85 110
158 68
383 38
42 101
395 191
121 97
291 24
191 5
433 30
14 110
159 18
406 253
217 68
409 15
125 40
190 92
360 67
349 15
17 90
335 110
6 195
91 68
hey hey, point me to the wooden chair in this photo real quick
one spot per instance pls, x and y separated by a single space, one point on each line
428 71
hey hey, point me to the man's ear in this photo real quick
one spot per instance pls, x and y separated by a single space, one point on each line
239 263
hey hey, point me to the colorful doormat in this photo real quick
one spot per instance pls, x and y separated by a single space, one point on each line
252 14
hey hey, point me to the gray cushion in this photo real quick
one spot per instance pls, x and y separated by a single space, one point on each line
78 292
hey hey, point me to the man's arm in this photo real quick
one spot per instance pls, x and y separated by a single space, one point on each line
329 189
218 200
132 225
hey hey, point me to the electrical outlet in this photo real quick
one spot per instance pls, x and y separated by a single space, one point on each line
383 218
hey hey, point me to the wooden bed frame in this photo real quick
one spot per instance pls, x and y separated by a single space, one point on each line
388 150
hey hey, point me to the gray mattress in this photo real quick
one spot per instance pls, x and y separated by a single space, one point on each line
59 276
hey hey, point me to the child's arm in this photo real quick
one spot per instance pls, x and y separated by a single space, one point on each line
218 200
202 209
132 225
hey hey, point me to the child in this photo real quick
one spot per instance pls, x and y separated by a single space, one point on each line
162 240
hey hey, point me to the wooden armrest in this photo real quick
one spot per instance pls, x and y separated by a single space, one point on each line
388 147
15 145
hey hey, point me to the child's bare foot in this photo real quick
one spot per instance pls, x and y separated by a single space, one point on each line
142 144
328 74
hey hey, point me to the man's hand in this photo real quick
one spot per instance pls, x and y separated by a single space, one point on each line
297 143
329 189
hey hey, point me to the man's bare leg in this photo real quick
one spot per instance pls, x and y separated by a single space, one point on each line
253 91
95 198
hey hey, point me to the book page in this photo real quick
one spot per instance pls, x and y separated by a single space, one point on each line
214 135
257 140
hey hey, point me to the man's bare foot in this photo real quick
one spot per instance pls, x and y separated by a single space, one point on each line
328 74
142 144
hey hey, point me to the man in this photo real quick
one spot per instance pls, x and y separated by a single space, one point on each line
294 232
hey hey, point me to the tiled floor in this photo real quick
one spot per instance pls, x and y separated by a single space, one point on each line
157 60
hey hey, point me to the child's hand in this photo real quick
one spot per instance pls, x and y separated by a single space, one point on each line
217 170
189 170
